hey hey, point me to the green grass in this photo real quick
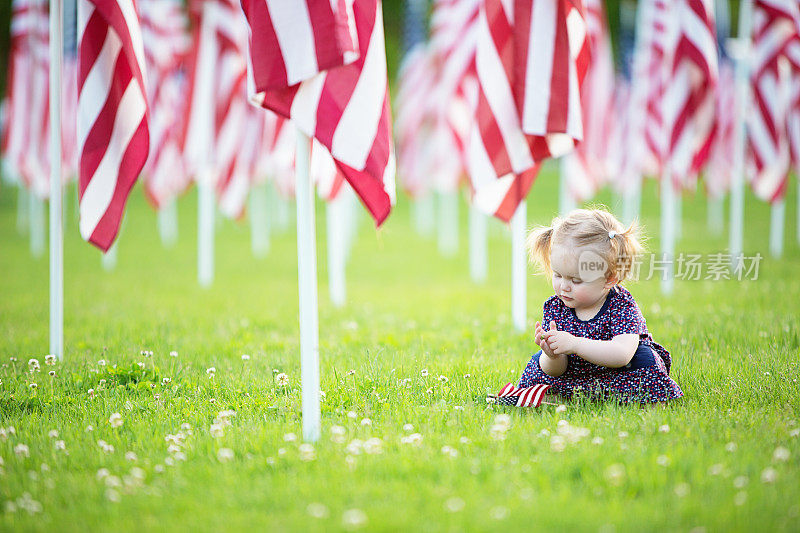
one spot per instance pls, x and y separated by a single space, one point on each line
735 349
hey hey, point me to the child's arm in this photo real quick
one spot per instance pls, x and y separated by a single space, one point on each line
550 363
615 353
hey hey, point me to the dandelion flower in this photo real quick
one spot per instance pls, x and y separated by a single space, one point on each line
115 420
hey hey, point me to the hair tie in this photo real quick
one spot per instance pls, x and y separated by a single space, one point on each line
612 234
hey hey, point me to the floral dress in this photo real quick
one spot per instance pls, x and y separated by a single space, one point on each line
645 379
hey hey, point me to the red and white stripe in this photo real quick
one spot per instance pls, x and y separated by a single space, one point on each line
689 104
414 120
276 158
166 44
346 108
588 166
717 178
18 94
531 59
112 114
528 396
775 29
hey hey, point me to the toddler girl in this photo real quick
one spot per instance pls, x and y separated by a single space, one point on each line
593 337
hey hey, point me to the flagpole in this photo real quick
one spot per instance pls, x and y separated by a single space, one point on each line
36 213
667 228
565 200
448 223
259 220
519 282
777 220
715 214
742 55
168 223
56 207
336 227
205 228
477 244
307 285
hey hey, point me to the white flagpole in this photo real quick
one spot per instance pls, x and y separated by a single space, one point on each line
742 54
798 214
477 244
336 226
448 223
424 216
519 268
259 220
23 209
205 228
168 223
678 213
56 204
632 200
565 200
715 215
109 259
667 229
777 220
36 214
307 283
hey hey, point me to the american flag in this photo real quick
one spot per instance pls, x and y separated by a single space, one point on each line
689 104
36 162
452 100
720 162
166 44
649 81
345 108
113 132
276 156
513 396
588 166
414 120
18 93
775 32
531 59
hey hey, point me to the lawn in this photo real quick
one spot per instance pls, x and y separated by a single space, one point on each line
408 441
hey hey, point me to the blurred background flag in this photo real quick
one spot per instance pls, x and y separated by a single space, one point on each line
531 59
113 132
345 108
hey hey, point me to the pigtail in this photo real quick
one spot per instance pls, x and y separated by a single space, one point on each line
539 243
627 247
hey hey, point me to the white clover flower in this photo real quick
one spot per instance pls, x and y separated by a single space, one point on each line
424 372
373 446
211 371
60 445
49 359
306 452
558 443
615 474
449 451
33 385
769 475
682 490
186 427
463 440
467 376
245 357
731 447
366 422
354 518
282 379
443 379
499 513
740 498
454 504
33 362
289 437
115 420
52 373
664 428
225 455
597 441
101 383
173 353
21 450
137 473
216 431
89 428
351 372
781 454
662 460
131 456
355 447
179 456
352 415
740 482
430 390
112 495
166 381
108 448
408 427
102 362
317 510
102 473
415 439
53 433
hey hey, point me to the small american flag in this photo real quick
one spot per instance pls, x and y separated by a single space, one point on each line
521 397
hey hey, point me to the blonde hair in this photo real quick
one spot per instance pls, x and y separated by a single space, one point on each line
595 228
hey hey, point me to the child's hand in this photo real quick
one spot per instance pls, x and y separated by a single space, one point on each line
559 342
541 342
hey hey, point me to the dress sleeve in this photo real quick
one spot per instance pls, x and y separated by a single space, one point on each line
626 317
